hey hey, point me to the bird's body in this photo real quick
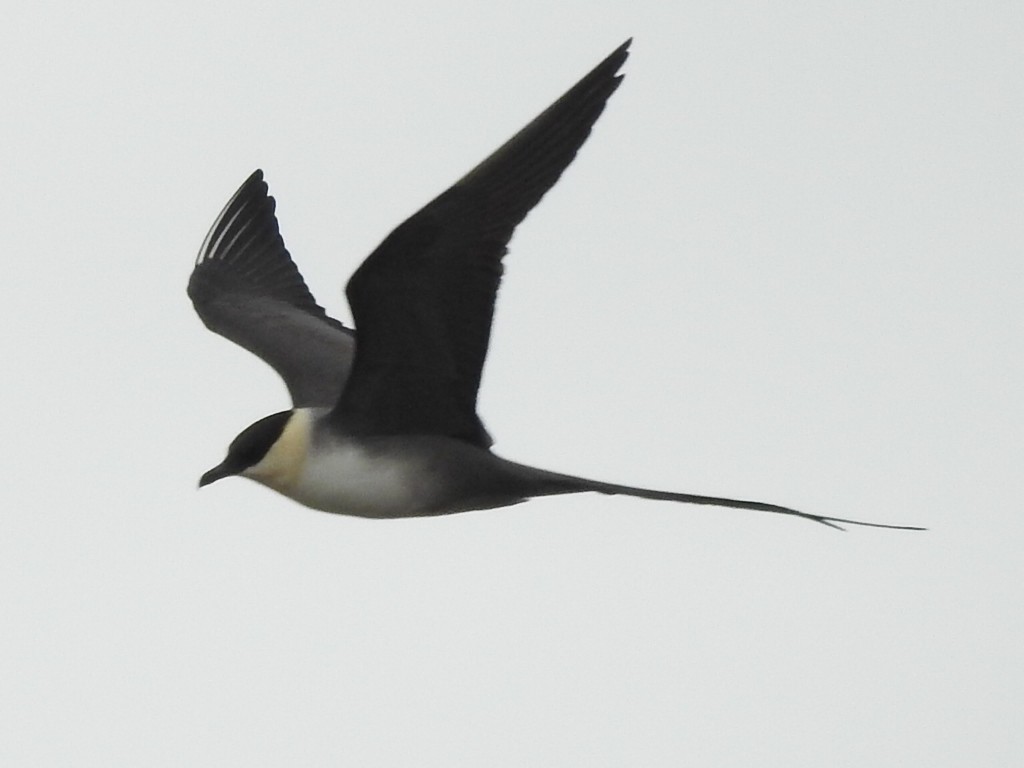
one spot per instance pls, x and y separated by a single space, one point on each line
380 475
387 427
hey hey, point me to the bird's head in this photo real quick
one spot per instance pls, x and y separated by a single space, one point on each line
262 452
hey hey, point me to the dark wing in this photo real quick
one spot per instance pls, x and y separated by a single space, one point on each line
424 300
246 288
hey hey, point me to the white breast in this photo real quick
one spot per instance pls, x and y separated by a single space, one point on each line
377 476
351 480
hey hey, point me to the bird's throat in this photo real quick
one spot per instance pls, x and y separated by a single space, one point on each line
281 468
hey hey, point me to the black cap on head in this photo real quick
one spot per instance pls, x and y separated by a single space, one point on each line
249 448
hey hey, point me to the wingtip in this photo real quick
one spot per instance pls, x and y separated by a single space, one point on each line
254 180
621 53
256 177
613 62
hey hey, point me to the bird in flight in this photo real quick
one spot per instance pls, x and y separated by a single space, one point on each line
383 421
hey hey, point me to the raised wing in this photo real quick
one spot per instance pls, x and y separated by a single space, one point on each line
246 288
423 301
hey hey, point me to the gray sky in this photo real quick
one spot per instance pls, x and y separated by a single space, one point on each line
786 266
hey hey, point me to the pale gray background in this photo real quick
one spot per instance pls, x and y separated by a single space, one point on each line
787 266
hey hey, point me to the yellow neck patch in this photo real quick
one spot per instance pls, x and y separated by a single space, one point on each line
282 467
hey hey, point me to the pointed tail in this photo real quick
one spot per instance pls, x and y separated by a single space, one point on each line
544 483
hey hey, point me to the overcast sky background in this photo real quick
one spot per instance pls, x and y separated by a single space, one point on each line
786 266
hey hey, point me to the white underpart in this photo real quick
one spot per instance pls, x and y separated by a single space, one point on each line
350 480
339 476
